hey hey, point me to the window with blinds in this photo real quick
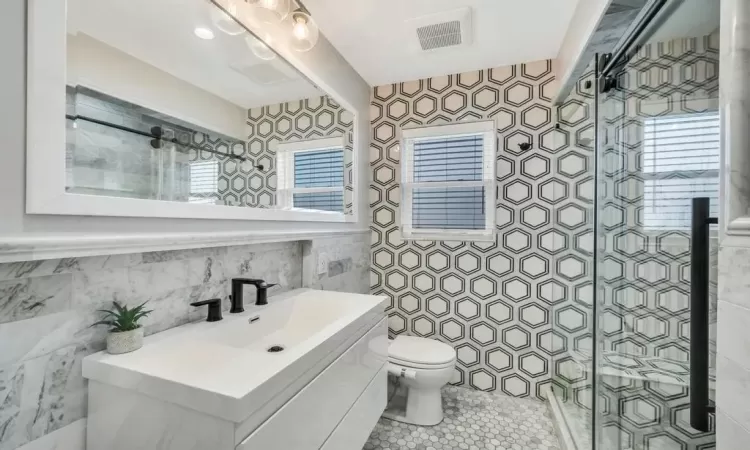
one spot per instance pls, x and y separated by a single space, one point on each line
448 182
204 182
318 171
680 162
311 174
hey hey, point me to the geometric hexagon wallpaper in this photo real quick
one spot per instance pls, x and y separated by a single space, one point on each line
491 301
240 183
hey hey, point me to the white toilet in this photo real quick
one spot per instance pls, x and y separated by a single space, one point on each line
424 367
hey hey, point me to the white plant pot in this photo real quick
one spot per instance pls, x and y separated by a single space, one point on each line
125 341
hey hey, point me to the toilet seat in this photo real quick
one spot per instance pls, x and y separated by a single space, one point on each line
412 365
421 353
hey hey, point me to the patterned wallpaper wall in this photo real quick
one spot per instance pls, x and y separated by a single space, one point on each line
313 118
491 301
573 325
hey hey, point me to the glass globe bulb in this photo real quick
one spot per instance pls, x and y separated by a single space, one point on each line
305 32
300 30
225 22
260 48
272 11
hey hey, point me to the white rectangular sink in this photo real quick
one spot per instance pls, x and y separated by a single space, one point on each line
223 369
286 323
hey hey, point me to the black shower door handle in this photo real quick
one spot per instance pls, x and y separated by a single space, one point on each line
700 407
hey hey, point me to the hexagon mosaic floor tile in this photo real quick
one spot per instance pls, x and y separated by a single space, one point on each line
474 420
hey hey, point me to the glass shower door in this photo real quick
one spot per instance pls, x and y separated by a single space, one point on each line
658 130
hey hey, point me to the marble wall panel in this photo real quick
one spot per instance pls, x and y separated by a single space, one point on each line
47 308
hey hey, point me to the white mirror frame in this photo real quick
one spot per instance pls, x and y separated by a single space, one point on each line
46 136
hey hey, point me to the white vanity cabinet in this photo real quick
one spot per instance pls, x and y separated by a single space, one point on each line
326 393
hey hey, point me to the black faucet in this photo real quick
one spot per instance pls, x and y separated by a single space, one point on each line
238 303
214 309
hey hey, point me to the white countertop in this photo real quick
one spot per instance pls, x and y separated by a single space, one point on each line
223 369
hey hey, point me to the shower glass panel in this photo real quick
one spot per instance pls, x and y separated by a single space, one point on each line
571 245
658 148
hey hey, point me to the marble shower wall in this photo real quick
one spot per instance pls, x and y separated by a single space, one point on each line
47 307
733 357
102 160
347 268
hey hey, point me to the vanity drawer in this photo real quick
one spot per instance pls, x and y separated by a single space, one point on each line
353 431
306 421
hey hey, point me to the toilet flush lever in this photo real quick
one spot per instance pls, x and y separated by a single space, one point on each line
402 372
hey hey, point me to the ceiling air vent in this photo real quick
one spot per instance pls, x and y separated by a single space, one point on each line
440 35
448 29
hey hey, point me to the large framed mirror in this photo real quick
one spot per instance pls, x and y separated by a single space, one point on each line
176 108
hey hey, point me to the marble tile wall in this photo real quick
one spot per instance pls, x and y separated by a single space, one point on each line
733 359
102 160
733 352
106 161
47 307
347 268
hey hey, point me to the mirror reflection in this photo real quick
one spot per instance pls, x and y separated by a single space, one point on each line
197 109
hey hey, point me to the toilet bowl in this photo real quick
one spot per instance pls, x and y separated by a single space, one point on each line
424 367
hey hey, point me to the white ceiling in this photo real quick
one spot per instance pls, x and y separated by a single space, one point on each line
160 33
374 37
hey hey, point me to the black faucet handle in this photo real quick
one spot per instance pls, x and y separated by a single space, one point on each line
214 309
255 281
270 285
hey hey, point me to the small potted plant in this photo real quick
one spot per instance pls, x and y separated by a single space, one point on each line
125 334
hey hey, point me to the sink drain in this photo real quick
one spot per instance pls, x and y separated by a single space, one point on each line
275 349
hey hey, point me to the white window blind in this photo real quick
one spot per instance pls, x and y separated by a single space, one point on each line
311 175
680 162
448 175
204 182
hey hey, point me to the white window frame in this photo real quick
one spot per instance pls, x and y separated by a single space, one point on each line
285 170
487 129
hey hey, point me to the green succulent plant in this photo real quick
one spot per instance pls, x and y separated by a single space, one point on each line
121 318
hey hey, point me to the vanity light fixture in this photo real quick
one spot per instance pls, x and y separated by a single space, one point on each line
305 31
260 48
204 33
271 11
225 20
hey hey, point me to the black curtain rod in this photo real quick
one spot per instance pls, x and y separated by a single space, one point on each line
156 134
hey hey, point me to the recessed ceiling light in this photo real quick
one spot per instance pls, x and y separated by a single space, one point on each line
204 33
